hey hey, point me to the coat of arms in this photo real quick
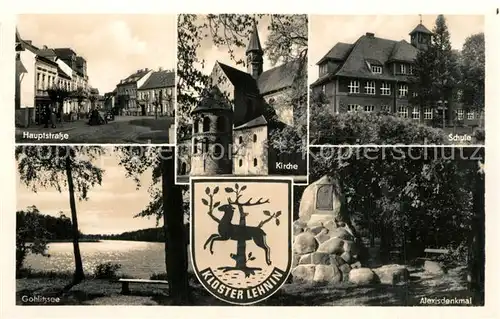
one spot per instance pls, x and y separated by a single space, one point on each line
241 236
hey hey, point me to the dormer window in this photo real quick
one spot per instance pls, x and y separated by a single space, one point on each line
376 69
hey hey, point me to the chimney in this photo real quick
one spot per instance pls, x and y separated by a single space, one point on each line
45 47
370 35
146 69
160 69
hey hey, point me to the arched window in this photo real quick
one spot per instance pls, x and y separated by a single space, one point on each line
218 149
254 162
183 168
240 162
221 124
240 139
206 124
196 126
271 101
255 138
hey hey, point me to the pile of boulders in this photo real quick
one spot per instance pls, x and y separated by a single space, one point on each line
325 247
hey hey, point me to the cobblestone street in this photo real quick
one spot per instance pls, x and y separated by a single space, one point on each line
124 129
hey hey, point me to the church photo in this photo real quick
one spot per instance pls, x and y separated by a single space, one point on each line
242 96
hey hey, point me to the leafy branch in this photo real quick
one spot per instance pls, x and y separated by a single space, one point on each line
271 216
210 202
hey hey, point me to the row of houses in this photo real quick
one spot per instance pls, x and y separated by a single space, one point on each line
375 74
41 69
146 92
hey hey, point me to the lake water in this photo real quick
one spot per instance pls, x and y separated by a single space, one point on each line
138 259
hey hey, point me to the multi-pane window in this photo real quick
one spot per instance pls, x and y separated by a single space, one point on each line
414 94
385 108
403 90
352 108
428 113
377 69
415 114
354 86
403 111
370 87
402 68
385 88
460 114
369 108
470 115
411 69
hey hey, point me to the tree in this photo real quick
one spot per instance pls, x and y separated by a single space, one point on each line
167 202
61 167
57 96
473 72
286 43
31 236
80 95
436 71
240 257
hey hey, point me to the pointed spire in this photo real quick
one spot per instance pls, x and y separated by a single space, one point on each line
254 43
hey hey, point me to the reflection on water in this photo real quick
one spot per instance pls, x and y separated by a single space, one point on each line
138 259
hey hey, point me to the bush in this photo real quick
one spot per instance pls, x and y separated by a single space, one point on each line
369 128
107 271
479 135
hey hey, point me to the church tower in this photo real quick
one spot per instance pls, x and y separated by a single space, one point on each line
420 37
212 135
255 61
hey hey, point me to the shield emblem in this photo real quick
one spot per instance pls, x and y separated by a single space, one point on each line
241 236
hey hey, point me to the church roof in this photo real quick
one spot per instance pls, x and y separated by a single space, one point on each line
278 78
212 99
370 48
421 28
256 122
254 43
239 78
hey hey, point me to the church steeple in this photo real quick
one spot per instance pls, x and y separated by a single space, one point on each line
420 37
254 52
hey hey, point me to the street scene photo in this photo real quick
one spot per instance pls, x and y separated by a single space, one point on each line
242 96
397 79
83 78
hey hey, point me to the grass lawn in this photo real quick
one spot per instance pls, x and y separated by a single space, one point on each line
105 292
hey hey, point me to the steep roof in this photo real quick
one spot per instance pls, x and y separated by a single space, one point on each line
370 49
337 53
278 78
258 121
254 43
239 78
20 67
63 74
64 52
212 99
159 79
421 28
134 77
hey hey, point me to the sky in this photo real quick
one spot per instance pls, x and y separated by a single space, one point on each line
114 46
211 53
110 207
326 30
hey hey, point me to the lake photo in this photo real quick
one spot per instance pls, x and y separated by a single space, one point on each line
137 259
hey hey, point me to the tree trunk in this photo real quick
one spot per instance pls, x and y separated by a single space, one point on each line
79 275
476 260
175 238
241 246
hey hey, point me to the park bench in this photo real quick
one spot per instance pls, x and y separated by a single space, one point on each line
430 253
126 282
